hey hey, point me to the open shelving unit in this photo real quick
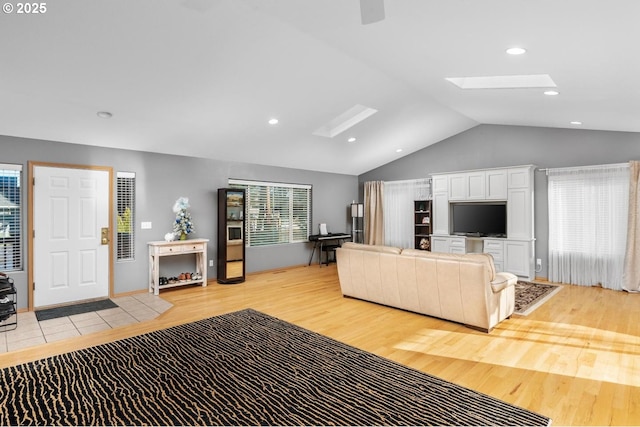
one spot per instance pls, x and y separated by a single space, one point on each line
422 224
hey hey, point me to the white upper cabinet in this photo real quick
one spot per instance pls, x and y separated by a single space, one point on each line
458 186
476 183
490 184
520 177
496 184
440 184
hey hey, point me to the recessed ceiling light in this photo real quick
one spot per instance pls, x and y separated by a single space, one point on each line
551 92
516 51
352 139
104 114
399 150
273 121
575 122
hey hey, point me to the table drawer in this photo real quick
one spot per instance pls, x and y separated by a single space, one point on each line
193 247
169 249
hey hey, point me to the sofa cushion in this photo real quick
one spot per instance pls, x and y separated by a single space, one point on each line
372 248
484 258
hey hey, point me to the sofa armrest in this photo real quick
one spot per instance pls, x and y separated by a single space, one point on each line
503 281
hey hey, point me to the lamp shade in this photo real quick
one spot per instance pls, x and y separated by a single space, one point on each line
357 210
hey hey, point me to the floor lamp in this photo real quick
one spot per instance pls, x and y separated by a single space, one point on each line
357 218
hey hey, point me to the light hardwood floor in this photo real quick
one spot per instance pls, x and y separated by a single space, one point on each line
575 359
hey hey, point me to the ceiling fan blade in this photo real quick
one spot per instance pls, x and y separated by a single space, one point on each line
371 11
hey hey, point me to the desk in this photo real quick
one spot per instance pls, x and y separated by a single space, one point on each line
160 249
319 240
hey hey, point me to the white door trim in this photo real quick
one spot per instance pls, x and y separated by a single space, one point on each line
30 221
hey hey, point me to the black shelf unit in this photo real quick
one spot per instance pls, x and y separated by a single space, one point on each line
8 307
423 221
231 235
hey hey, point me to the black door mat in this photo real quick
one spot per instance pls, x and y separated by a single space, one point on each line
70 310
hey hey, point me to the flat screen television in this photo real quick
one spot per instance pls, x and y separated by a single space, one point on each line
479 219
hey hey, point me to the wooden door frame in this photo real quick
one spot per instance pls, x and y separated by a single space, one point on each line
30 218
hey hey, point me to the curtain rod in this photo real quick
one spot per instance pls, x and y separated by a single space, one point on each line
409 180
546 170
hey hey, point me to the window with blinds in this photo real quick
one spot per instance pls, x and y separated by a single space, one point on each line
10 217
126 201
276 213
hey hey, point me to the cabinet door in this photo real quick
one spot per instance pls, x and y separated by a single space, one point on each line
496 185
440 217
519 214
476 185
517 258
457 187
440 244
519 177
440 183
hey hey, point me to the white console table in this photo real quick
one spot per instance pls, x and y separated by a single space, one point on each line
160 249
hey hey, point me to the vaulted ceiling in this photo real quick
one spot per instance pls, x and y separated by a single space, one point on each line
203 77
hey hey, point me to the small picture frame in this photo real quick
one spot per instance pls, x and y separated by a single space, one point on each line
323 229
426 220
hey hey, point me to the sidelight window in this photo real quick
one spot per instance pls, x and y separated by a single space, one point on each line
10 217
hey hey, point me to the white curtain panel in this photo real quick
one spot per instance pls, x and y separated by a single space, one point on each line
398 209
588 209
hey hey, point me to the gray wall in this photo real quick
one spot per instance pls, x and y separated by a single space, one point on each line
488 146
161 179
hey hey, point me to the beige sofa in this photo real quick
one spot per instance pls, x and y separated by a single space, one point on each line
461 288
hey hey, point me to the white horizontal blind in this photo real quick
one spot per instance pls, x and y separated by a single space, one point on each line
276 213
588 224
10 217
126 201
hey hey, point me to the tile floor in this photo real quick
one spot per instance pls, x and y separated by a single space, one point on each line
131 309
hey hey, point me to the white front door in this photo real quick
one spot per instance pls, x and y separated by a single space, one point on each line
71 262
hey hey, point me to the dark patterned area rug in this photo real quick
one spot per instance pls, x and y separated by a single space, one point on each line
242 368
530 296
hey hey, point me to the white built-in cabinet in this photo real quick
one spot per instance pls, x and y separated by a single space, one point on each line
514 185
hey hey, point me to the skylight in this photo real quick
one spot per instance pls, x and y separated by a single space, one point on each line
503 82
344 121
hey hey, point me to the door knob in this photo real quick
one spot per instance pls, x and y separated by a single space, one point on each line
104 233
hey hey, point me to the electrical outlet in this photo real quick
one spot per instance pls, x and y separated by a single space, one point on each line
210 263
145 225
538 264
